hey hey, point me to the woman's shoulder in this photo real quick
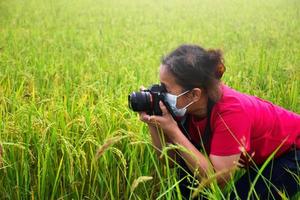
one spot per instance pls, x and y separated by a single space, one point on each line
233 106
231 99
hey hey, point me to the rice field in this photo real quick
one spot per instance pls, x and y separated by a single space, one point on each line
67 67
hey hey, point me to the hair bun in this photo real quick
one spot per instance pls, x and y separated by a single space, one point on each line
220 70
216 61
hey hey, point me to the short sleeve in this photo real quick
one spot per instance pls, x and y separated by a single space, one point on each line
230 132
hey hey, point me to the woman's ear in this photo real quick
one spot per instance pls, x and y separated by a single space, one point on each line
196 94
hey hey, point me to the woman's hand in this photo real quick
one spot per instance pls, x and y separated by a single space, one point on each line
144 117
165 122
159 138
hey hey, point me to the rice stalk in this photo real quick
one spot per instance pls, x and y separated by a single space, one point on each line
1 155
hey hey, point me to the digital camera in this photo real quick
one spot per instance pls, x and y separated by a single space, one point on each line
148 100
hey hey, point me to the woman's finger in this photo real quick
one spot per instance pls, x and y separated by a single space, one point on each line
149 119
144 116
142 88
163 108
154 119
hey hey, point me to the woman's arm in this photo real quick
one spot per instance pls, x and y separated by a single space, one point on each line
194 159
159 140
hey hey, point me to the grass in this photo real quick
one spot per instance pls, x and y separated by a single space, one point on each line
66 68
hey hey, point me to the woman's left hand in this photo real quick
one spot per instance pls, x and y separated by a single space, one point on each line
166 121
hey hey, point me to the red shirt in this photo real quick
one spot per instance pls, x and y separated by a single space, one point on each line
241 120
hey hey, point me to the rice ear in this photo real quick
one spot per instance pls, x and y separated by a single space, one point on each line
109 142
139 180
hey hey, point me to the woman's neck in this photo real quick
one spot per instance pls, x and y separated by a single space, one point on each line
201 108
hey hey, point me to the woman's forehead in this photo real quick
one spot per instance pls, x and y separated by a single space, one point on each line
167 79
165 76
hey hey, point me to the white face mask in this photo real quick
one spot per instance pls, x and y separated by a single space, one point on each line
172 100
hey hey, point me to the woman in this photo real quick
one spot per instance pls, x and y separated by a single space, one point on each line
230 126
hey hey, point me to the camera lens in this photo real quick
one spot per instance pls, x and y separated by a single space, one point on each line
140 101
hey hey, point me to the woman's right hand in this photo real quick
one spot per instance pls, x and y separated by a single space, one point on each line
144 117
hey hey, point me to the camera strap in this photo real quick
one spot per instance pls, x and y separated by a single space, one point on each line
205 138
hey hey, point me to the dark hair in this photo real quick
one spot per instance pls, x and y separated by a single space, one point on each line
196 67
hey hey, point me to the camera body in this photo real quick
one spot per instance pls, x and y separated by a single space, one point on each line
148 100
